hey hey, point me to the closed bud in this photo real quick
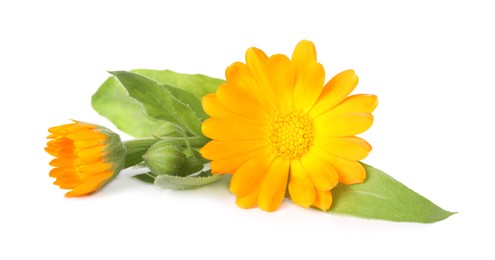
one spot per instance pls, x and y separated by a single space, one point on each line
165 157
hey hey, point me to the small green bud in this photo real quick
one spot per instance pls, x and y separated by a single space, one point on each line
165 157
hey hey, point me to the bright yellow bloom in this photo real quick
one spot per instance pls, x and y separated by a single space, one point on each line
87 157
277 127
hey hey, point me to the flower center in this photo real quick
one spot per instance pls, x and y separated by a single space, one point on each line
290 134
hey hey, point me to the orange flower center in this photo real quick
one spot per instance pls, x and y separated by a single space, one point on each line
290 134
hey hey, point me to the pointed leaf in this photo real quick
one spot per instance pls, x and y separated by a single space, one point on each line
382 197
127 114
159 101
145 177
189 182
197 84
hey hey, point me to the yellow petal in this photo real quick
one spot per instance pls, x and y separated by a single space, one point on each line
239 76
323 200
217 150
78 127
305 52
257 62
92 168
239 103
85 144
350 172
250 174
282 79
274 185
338 88
71 128
301 189
230 165
90 155
231 129
323 175
342 125
355 103
250 200
308 87
351 148
86 135
213 107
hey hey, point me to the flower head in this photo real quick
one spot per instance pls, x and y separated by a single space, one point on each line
87 157
277 126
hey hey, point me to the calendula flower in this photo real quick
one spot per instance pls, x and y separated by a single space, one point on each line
276 126
87 157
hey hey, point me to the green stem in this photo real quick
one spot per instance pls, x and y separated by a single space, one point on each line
136 149
189 142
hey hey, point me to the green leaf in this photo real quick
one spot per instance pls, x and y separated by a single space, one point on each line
127 114
189 182
188 88
382 197
145 177
197 84
159 101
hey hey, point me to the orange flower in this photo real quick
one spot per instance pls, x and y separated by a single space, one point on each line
87 157
277 127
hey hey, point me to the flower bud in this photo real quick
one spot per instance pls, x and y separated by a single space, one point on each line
165 157
87 157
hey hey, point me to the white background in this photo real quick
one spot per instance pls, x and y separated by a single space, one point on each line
431 63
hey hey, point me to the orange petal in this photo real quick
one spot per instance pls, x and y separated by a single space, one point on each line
91 185
250 174
282 80
338 88
305 52
239 76
214 108
218 150
274 185
323 200
308 87
230 165
86 135
351 148
60 129
257 62
350 172
301 189
225 129
85 144
250 200
355 103
323 175
61 162
66 184
342 125
239 103
92 168
51 151
90 155
57 172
